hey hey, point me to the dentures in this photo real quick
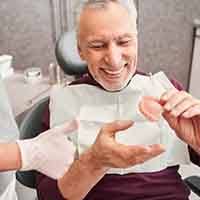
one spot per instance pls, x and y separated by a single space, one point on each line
151 108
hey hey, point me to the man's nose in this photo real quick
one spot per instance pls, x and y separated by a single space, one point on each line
113 55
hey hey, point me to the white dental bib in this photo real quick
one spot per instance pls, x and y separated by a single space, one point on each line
94 106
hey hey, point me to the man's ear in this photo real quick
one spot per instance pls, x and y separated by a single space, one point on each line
80 52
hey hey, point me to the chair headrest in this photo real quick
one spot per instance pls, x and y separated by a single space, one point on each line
67 55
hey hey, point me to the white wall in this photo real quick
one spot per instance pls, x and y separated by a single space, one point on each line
194 88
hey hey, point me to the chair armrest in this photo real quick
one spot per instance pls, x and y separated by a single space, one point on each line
194 184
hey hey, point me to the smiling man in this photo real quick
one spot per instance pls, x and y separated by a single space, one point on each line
108 43
127 168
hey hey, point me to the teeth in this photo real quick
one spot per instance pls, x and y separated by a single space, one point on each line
114 72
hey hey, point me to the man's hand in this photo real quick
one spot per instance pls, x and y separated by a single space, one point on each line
182 111
107 153
50 153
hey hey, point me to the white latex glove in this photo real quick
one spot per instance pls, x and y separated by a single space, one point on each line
50 153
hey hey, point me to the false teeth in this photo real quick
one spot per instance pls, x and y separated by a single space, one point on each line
150 107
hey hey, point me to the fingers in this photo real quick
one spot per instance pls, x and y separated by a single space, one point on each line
127 155
176 99
148 151
172 121
118 125
193 111
152 151
180 103
166 96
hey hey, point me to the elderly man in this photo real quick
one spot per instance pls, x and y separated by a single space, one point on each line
107 41
106 158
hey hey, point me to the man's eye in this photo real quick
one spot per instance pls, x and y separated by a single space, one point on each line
97 46
125 42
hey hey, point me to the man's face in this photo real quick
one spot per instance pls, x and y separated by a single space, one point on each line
107 41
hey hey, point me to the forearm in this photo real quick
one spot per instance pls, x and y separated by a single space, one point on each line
80 178
10 156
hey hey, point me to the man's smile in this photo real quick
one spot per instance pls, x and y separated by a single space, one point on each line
113 73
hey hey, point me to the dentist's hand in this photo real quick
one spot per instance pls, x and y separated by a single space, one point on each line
50 153
107 153
182 111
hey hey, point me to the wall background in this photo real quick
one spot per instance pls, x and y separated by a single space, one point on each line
26 32
29 30
166 36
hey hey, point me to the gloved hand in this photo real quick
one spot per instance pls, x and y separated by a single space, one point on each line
50 153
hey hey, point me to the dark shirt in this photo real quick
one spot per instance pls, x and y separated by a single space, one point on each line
166 184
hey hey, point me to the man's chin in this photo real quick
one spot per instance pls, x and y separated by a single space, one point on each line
114 87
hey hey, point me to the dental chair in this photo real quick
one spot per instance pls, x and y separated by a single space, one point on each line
70 62
31 125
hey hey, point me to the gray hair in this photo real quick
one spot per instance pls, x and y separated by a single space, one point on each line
129 5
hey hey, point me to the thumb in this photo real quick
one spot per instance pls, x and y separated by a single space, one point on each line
118 125
172 121
67 127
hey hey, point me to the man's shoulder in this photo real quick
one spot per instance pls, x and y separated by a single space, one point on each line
85 79
176 84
